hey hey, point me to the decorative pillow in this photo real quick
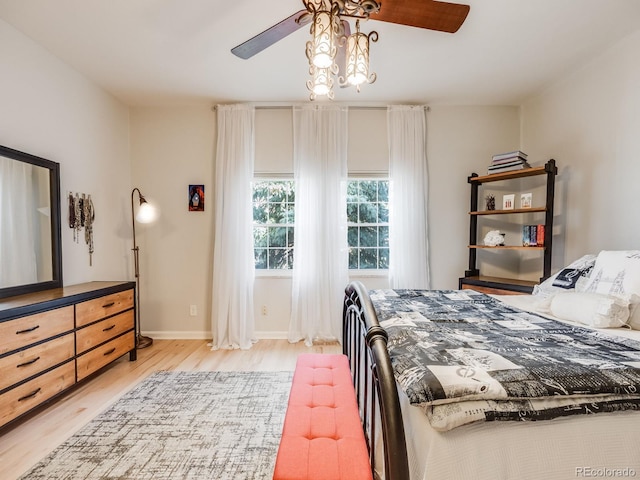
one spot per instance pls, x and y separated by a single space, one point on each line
615 273
634 313
593 309
568 278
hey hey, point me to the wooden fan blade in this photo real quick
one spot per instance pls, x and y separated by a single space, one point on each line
271 35
429 14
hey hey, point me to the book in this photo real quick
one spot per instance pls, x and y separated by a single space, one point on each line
507 164
517 153
526 238
508 160
540 236
529 235
509 168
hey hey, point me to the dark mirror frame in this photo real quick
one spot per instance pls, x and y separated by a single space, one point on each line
56 234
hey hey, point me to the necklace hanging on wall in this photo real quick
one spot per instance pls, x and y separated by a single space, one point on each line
72 212
89 216
78 218
81 215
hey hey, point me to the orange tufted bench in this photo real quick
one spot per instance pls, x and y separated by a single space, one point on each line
322 437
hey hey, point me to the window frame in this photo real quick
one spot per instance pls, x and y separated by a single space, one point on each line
369 176
287 273
271 272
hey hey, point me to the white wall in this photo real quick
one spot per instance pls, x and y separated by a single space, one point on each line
589 122
51 111
172 147
461 140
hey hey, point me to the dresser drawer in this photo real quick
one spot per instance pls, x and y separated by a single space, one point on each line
89 362
33 360
16 334
92 310
89 337
19 400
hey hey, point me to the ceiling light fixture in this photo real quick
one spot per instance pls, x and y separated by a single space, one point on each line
358 58
329 34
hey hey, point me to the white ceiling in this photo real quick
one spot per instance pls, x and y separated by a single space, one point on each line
167 52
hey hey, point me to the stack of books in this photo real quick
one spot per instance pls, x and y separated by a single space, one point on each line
507 162
533 235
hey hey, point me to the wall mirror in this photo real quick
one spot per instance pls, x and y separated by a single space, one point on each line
30 235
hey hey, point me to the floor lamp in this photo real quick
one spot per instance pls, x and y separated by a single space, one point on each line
146 214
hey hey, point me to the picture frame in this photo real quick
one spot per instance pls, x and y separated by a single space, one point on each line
196 198
526 200
508 201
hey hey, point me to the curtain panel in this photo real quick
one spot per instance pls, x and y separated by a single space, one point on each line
233 321
320 267
408 195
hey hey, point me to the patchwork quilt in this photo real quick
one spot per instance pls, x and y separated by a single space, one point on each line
463 356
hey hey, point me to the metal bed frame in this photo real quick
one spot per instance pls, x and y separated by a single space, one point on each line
364 342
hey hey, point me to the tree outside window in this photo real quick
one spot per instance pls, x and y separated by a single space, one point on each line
273 219
368 224
367 217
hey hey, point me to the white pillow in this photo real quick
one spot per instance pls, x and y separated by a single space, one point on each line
567 279
615 273
593 309
618 273
634 313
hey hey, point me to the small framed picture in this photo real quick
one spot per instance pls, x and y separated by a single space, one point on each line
507 201
196 198
525 200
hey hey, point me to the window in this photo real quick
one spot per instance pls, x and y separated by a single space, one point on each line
273 218
367 217
368 224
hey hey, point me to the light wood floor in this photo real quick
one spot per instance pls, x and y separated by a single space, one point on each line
24 444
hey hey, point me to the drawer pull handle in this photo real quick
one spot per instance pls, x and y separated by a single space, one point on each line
107 305
110 351
30 362
31 395
28 330
108 328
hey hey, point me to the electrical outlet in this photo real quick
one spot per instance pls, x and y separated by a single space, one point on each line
264 310
193 310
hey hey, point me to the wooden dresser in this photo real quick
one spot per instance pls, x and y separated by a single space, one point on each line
51 340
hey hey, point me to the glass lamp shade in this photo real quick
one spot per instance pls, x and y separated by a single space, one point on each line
321 83
357 58
357 67
323 49
147 213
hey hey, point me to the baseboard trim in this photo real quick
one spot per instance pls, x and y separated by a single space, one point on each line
199 335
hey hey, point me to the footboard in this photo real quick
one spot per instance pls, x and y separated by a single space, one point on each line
365 343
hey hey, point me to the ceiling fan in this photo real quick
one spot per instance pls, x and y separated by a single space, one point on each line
428 14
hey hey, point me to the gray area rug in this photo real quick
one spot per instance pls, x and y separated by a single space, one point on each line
180 425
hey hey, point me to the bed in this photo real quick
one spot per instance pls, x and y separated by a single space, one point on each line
474 429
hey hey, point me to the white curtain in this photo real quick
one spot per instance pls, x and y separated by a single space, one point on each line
233 319
408 193
320 267
18 224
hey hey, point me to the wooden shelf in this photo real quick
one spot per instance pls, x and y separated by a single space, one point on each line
507 247
497 285
496 177
491 284
506 212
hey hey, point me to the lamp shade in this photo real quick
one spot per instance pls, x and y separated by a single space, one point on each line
147 213
357 68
